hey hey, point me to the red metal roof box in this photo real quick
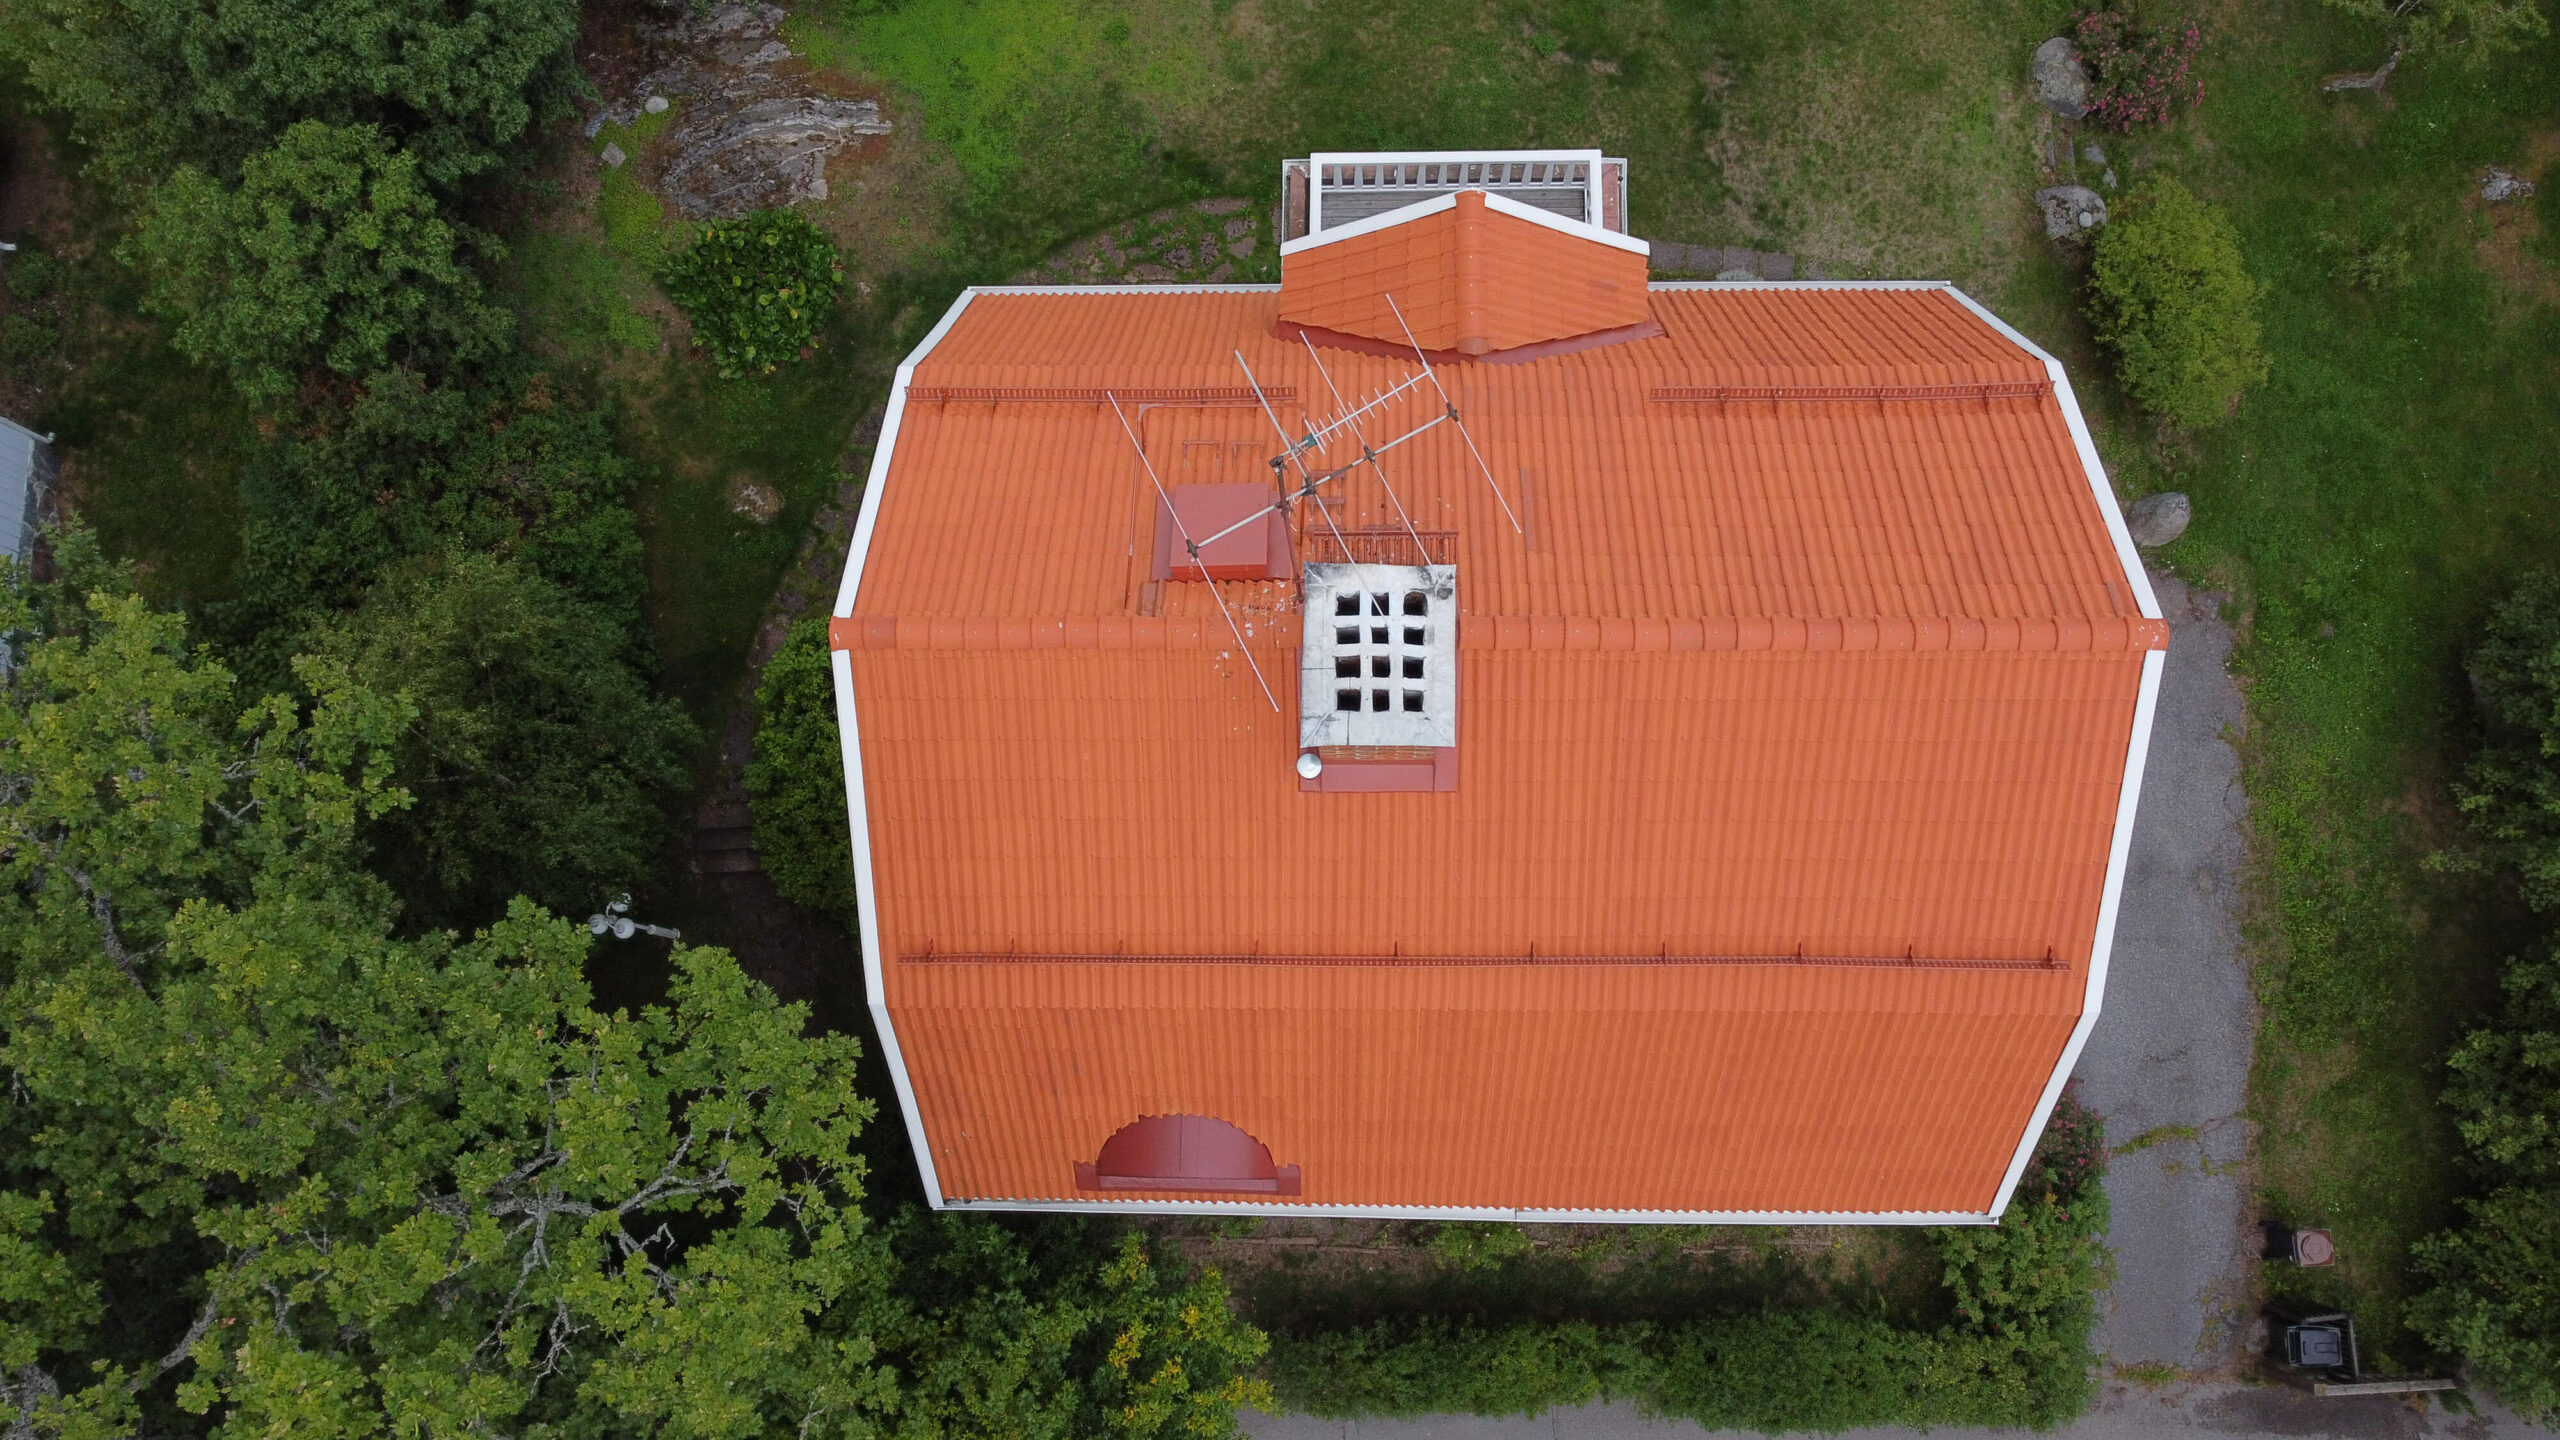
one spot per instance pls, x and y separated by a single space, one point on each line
1680 778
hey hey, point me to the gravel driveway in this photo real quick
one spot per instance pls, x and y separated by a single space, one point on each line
2168 1064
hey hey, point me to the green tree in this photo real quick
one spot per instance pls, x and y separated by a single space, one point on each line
329 252
2496 1296
341 1183
2510 793
152 83
795 781
2169 296
404 468
540 761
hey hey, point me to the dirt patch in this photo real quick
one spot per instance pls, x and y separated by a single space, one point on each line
2510 245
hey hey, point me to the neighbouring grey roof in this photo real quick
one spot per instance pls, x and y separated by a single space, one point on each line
26 476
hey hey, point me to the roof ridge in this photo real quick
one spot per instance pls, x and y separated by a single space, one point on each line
2069 633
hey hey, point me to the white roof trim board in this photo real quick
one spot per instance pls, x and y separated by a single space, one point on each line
2137 749
849 734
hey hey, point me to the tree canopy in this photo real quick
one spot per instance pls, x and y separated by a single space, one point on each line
540 762
405 467
328 252
270 1167
153 83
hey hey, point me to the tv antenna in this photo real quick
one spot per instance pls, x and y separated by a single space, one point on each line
1319 436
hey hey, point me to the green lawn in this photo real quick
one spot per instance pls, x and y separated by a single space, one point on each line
2389 482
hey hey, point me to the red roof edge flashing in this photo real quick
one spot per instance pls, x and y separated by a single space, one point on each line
1291 330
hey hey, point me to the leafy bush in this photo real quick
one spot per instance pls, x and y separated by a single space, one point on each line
2138 74
2510 793
26 342
31 274
2168 294
404 468
151 83
2014 1352
2496 1296
540 763
795 782
328 252
758 288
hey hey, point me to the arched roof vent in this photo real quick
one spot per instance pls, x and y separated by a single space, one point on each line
1186 1152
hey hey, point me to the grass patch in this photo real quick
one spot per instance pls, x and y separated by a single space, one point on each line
700 441
2158 1135
2367 504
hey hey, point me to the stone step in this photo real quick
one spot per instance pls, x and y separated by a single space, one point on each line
718 816
726 862
724 839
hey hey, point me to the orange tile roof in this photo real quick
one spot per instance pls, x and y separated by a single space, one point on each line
1469 279
1792 736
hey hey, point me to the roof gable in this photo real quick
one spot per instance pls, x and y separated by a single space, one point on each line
1466 274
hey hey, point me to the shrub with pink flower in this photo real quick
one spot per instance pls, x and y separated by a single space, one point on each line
2137 73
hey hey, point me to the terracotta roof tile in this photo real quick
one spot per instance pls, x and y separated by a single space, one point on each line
1846 678
1467 279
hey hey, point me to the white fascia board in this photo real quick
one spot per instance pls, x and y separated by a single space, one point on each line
1108 289
2119 851
1431 157
1403 214
1370 224
849 735
1531 213
1469 1212
2137 749
1803 285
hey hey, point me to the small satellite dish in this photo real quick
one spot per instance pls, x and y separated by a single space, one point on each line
1310 764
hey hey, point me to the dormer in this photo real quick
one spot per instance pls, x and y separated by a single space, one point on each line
1465 273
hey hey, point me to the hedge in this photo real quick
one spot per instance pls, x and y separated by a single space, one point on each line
2013 1351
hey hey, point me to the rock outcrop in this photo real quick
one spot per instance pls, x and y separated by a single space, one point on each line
2071 211
753 129
2061 85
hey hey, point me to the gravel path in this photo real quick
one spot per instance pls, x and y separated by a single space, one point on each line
2168 1064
